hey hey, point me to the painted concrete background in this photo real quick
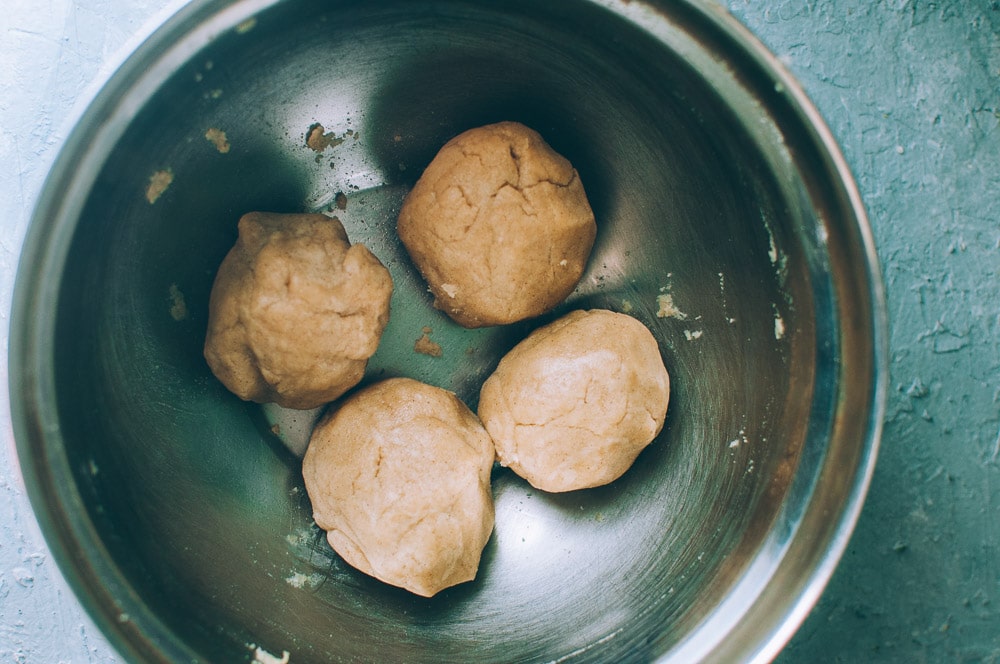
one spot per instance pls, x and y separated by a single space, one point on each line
911 90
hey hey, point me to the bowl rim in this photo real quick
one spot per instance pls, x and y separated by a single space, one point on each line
103 590
860 416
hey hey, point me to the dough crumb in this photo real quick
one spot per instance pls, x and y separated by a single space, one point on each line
626 306
178 307
261 656
217 137
398 475
573 405
158 183
779 328
425 346
691 335
302 538
667 309
772 249
318 139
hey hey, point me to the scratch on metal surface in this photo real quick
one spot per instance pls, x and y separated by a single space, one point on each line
590 646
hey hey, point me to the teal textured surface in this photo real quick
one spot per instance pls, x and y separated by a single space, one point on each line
911 91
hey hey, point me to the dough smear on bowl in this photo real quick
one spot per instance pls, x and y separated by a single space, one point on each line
499 226
296 310
572 405
399 477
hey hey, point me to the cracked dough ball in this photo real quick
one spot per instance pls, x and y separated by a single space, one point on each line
399 477
295 310
498 225
572 405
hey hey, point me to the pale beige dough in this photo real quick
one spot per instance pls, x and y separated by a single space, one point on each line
295 310
499 226
572 405
399 477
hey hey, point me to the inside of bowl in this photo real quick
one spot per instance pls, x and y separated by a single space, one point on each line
194 493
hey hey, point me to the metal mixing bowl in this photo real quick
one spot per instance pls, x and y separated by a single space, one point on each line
178 512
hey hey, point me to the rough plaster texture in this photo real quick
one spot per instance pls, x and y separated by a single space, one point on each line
911 90
52 54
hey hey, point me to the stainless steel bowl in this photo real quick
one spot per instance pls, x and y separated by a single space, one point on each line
179 516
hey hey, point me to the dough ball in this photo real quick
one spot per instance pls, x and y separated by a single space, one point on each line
572 405
295 311
399 477
498 225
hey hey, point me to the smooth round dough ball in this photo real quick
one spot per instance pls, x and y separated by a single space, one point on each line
399 477
498 225
572 405
295 310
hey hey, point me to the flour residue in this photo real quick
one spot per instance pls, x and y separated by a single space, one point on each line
778 260
741 439
261 656
307 581
665 307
